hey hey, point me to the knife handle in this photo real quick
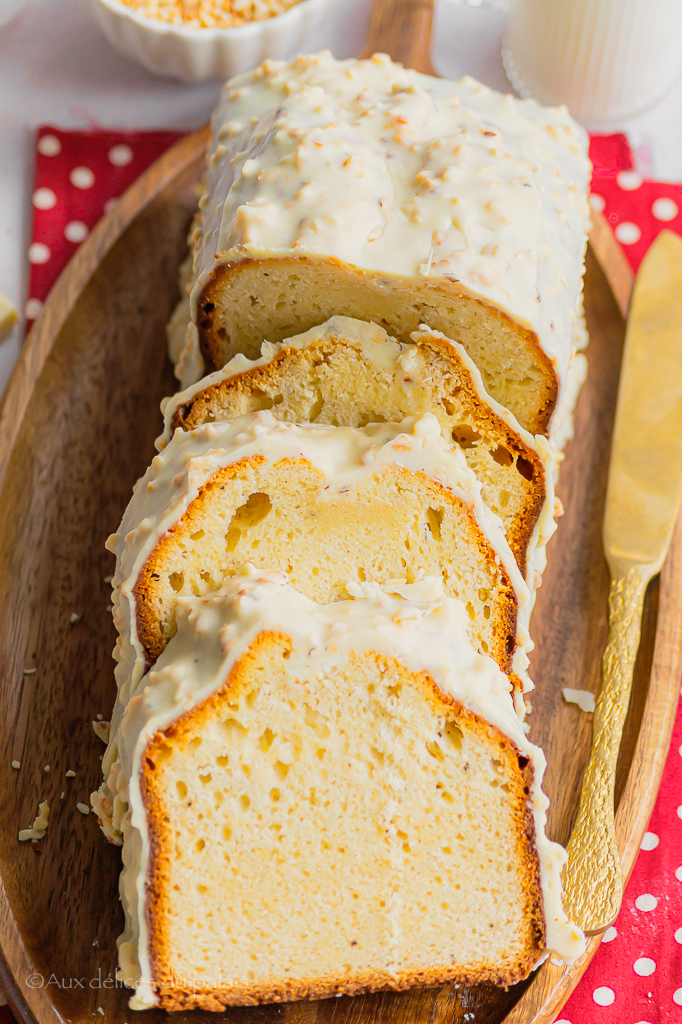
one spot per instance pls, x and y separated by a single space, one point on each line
592 878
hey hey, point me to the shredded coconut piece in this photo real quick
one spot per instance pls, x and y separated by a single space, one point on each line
83 808
16 764
74 617
47 767
583 698
70 774
30 671
39 826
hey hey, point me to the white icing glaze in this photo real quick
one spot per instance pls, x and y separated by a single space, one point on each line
415 623
404 175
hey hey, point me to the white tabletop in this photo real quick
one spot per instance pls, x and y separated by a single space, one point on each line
56 67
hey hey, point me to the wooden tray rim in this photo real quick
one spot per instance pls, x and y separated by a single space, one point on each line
552 984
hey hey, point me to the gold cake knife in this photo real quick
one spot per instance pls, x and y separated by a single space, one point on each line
642 503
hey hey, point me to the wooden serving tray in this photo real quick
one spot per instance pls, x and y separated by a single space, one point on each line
76 430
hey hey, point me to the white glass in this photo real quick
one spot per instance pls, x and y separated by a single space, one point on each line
605 59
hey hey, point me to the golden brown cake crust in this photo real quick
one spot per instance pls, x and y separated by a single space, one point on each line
249 388
361 300
169 989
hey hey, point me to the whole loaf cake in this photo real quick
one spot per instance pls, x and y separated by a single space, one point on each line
319 769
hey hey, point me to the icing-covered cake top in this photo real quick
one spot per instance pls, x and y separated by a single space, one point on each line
406 175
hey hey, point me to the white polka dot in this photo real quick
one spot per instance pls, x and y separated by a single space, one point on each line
678 874
665 209
109 205
597 202
562 1021
603 996
649 841
646 902
644 1021
82 177
38 253
629 180
679 811
76 231
644 966
677 996
678 935
680 751
121 155
44 199
49 145
628 233
609 934
33 309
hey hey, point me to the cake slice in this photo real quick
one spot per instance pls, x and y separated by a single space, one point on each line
349 373
330 506
359 187
325 800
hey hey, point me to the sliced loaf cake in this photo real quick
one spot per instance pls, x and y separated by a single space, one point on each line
329 505
350 373
328 799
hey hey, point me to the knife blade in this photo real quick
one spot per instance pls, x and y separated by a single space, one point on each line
643 500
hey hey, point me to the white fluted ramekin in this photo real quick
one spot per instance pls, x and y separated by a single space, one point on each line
9 9
201 54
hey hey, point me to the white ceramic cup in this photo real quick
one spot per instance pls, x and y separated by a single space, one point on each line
605 59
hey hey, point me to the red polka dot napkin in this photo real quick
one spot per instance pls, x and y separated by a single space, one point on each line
636 976
636 209
78 177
